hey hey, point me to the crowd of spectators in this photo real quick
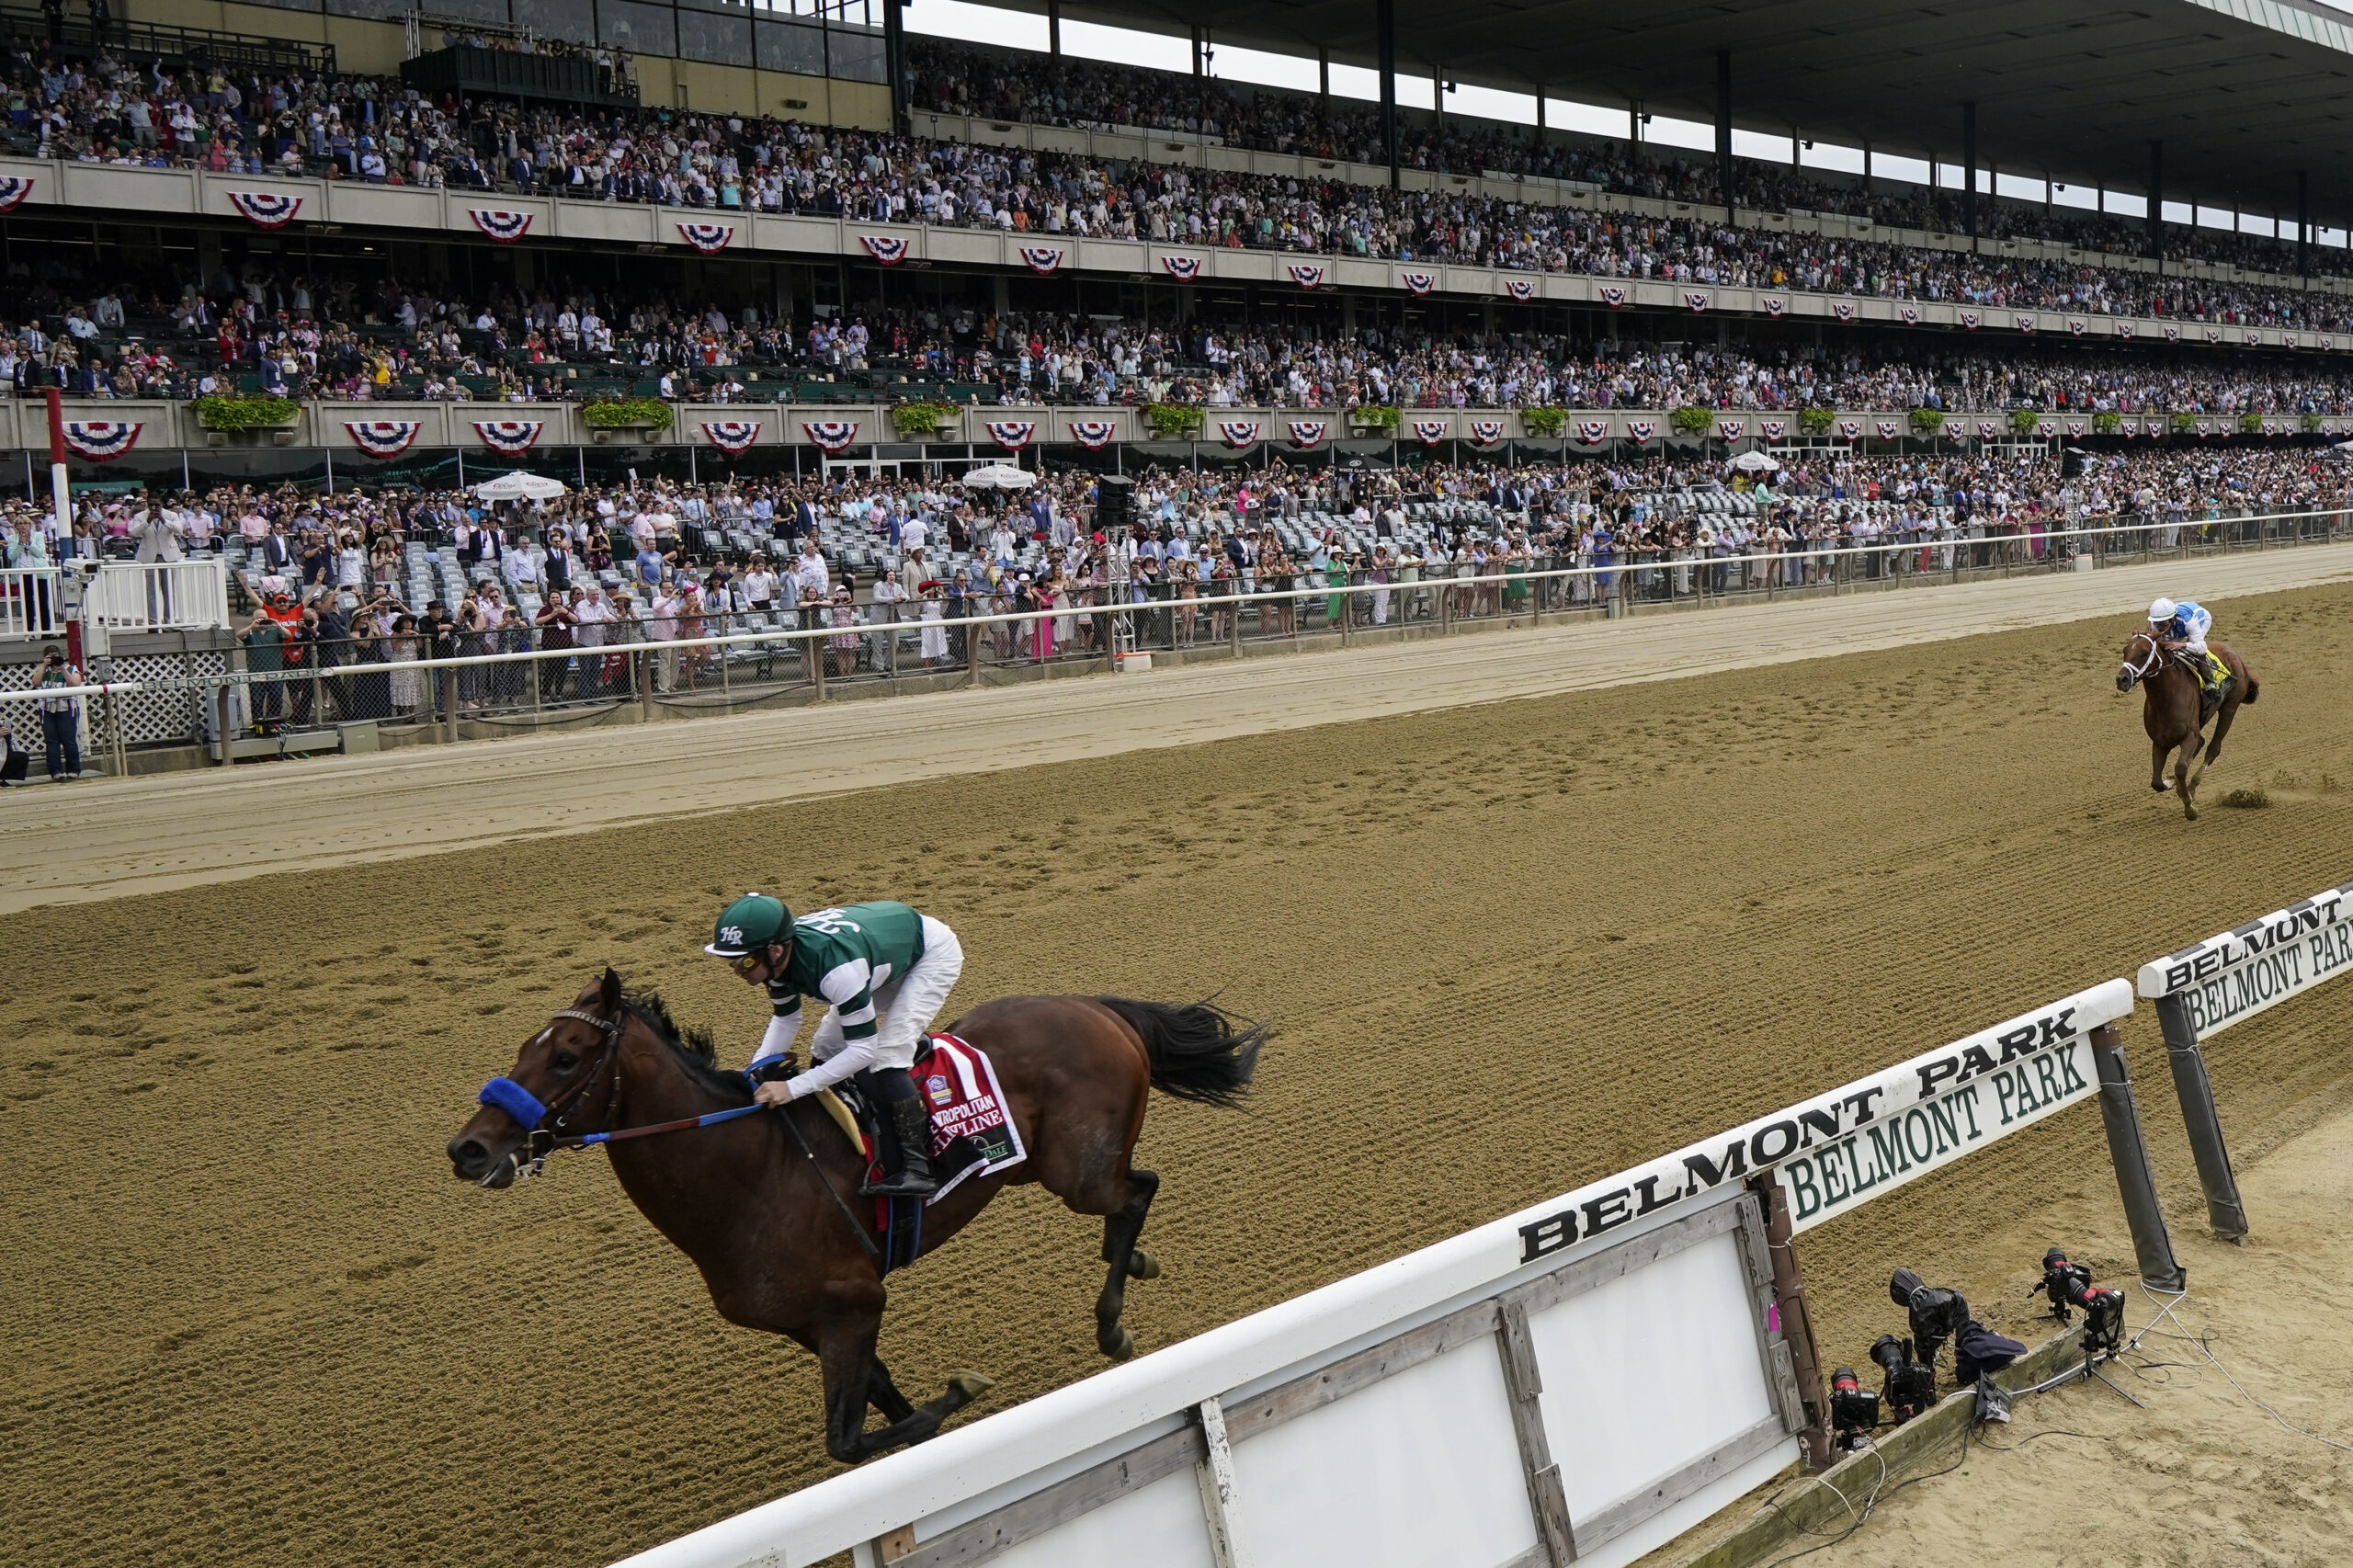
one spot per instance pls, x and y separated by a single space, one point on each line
378 129
329 337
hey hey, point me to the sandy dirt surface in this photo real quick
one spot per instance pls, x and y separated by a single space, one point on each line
2204 1477
1510 947
145 834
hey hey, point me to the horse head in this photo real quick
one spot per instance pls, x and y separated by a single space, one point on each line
566 1075
2139 667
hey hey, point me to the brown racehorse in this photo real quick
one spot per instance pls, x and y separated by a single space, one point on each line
746 1198
2170 710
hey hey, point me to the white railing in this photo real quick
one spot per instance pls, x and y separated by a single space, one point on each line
31 602
162 596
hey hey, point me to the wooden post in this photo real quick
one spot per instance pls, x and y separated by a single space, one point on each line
1546 1497
1219 1500
1797 1320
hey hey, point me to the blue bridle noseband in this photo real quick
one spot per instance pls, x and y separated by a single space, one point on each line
533 1116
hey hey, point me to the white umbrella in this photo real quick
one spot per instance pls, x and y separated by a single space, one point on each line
1755 462
999 476
519 487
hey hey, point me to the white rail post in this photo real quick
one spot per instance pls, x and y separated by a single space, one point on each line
1220 1499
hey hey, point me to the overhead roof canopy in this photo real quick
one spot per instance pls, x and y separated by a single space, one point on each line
2244 93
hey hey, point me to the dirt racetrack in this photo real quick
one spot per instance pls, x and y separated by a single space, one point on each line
252 1318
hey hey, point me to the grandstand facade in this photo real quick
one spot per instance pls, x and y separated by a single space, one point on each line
428 232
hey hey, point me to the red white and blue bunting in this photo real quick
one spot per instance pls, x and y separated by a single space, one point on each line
1697 299
101 440
1612 294
2075 428
1593 432
509 438
383 438
1428 432
1843 309
1486 432
1850 428
1887 429
1773 429
1012 434
1184 268
732 435
1521 288
1969 321
503 227
708 238
1956 430
830 435
1910 314
2124 329
1640 431
1237 433
1043 260
1987 429
1308 433
2025 323
13 191
266 209
1306 274
1774 305
1418 283
2076 325
1092 433
1731 429
2213 334
888 249
2287 340
2172 334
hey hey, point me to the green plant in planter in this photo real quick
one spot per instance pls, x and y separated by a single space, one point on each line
1173 420
1543 422
2025 421
921 417
2108 422
2251 422
626 413
2311 421
1815 420
1374 416
1689 420
2182 424
237 412
1927 422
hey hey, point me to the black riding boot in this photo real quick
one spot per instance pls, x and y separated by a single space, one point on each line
906 1141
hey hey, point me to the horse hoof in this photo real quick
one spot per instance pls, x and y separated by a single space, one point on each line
968 1386
1121 1344
2161 786
2189 811
1142 1265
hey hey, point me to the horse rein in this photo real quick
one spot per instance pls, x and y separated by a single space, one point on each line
541 1140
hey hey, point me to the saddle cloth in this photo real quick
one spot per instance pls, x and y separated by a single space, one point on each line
971 1130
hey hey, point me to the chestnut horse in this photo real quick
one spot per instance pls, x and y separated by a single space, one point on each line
2171 711
763 1204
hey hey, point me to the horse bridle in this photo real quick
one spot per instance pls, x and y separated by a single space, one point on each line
544 1123
2150 666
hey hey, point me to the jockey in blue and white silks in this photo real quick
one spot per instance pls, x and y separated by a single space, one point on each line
2184 625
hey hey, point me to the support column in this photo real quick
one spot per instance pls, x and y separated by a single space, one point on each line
1797 1319
2303 226
2157 205
1385 25
1196 51
2224 1211
1324 83
2128 1152
1969 171
1724 183
895 60
1540 111
1054 28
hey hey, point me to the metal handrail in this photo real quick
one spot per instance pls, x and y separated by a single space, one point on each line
166 41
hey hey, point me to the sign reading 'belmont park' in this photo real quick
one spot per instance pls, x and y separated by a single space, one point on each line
2239 973
1843 1146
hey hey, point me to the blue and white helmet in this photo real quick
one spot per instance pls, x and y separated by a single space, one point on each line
2162 611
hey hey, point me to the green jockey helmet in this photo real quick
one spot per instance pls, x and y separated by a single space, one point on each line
748 925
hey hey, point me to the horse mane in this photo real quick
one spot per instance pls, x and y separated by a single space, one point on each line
694 1047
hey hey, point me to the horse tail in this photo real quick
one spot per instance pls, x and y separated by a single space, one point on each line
2253 690
1198 1051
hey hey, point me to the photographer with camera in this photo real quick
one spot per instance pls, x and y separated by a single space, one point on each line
2069 1286
61 717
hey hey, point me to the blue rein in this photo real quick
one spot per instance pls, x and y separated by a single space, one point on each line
528 1112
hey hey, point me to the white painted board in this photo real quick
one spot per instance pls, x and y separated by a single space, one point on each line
1157 1526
